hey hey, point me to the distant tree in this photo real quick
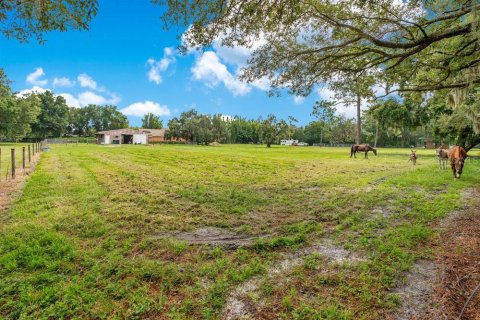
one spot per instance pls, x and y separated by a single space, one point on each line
151 121
17 115
53 118
324 111
242 130
90 119
204 130
174 129
272 129
188 125
23 20
113 119
299 134
343 130
4 84
315 132
219 128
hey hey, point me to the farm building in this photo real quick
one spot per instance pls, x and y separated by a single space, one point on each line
131 136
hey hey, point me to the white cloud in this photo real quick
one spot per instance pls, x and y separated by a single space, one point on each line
34 89
71 100
237 55
89 97
349 110
34 77
87 82
156 67
262 84
63 82
139 109
298 99
209 69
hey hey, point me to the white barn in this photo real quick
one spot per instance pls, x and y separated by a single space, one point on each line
131 136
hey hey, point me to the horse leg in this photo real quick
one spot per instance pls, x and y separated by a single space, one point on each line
366 154
454 171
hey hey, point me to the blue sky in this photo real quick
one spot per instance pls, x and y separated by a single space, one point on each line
128 60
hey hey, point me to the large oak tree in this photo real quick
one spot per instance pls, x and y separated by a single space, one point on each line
410 46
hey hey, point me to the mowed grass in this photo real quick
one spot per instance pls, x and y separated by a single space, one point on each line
85 239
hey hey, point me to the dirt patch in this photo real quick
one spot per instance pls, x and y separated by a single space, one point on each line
241 302
381 211
415 294
212 236
311 189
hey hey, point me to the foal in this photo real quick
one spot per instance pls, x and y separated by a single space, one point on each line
442 156
413 157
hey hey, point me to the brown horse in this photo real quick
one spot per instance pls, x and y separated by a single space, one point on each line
362 147
457 157
442 156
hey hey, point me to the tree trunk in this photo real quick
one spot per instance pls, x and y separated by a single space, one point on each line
359 120
268 144
321 138
376 136
472 145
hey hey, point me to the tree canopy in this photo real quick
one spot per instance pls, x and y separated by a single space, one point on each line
151 121
413 45
23 20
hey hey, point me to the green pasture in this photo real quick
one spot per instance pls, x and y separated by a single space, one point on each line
86 239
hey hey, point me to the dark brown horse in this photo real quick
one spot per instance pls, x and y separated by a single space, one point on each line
362 148
457 156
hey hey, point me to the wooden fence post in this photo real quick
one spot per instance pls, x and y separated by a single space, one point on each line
23 158
29 156
13 163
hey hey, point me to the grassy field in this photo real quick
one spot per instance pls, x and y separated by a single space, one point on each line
95 233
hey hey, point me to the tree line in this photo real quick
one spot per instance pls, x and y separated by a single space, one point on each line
43 115
402 121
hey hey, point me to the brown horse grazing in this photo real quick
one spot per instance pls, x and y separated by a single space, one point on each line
457 157
413 157
442 156
362 147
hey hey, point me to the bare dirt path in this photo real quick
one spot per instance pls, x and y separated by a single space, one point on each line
448 287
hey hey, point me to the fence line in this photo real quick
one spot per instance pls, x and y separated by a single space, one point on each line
13 159
70 140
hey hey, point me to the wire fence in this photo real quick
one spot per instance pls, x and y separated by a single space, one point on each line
70 140
18 159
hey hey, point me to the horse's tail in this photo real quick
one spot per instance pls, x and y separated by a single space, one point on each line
351 150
